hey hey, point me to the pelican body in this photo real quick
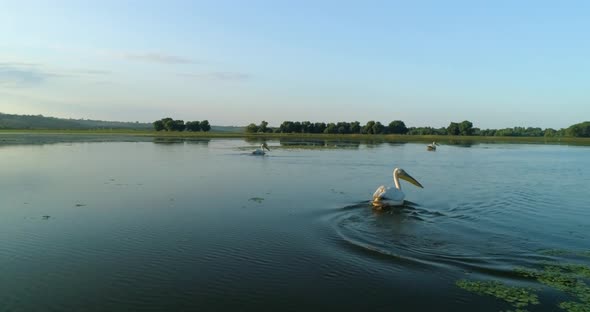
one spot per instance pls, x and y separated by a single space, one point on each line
432 147
260 150
393 195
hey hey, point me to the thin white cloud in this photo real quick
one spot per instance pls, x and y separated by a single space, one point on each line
18 64
233 76
23 74
92 71
12 76
154 58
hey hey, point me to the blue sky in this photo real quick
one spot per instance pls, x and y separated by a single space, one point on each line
495 63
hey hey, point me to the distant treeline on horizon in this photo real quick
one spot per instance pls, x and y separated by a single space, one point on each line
398 127
40 122
34 122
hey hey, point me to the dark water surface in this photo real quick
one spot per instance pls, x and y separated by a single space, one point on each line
204 226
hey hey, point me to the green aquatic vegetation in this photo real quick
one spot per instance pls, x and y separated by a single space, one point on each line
551 275
579 270
567 278
256 199
518 297
571 306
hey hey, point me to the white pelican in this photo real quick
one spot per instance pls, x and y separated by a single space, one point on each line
393 196
432 147
260 150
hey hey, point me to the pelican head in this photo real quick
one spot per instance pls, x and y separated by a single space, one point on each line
264 146
399 173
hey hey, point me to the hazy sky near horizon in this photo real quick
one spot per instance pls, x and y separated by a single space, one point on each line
495 63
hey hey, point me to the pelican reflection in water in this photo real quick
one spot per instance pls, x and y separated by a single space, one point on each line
393 195
260 150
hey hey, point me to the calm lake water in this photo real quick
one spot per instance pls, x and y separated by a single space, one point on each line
172 225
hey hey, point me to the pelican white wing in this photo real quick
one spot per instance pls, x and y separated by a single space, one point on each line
379 193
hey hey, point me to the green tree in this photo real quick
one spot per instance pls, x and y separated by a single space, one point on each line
534 132
505 132
286 127
194 126
179 125
453 128
368 128
169 125
549 132
466 128
424 131
159 125
355 127
343 127
397 127
331 128
319 127
488 132
252 128
263 127
378 128
205 126
306 127
579 130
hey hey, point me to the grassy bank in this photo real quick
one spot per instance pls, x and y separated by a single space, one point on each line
302 136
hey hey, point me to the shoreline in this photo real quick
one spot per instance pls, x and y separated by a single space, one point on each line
304 136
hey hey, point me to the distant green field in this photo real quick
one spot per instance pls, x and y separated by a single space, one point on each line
357 137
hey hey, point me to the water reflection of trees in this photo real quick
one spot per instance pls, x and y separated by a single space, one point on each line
307 143
255 140
157 140
460 143
50 139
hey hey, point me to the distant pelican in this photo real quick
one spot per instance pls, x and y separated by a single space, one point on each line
432 147
393 196
260 150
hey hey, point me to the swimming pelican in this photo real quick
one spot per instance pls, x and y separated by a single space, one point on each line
260 150
432 147
393 196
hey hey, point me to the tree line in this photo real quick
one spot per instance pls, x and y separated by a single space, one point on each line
355 127
398 127
34 122
169 124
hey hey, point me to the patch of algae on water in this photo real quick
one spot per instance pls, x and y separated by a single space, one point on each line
518 297
256 199
569 278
